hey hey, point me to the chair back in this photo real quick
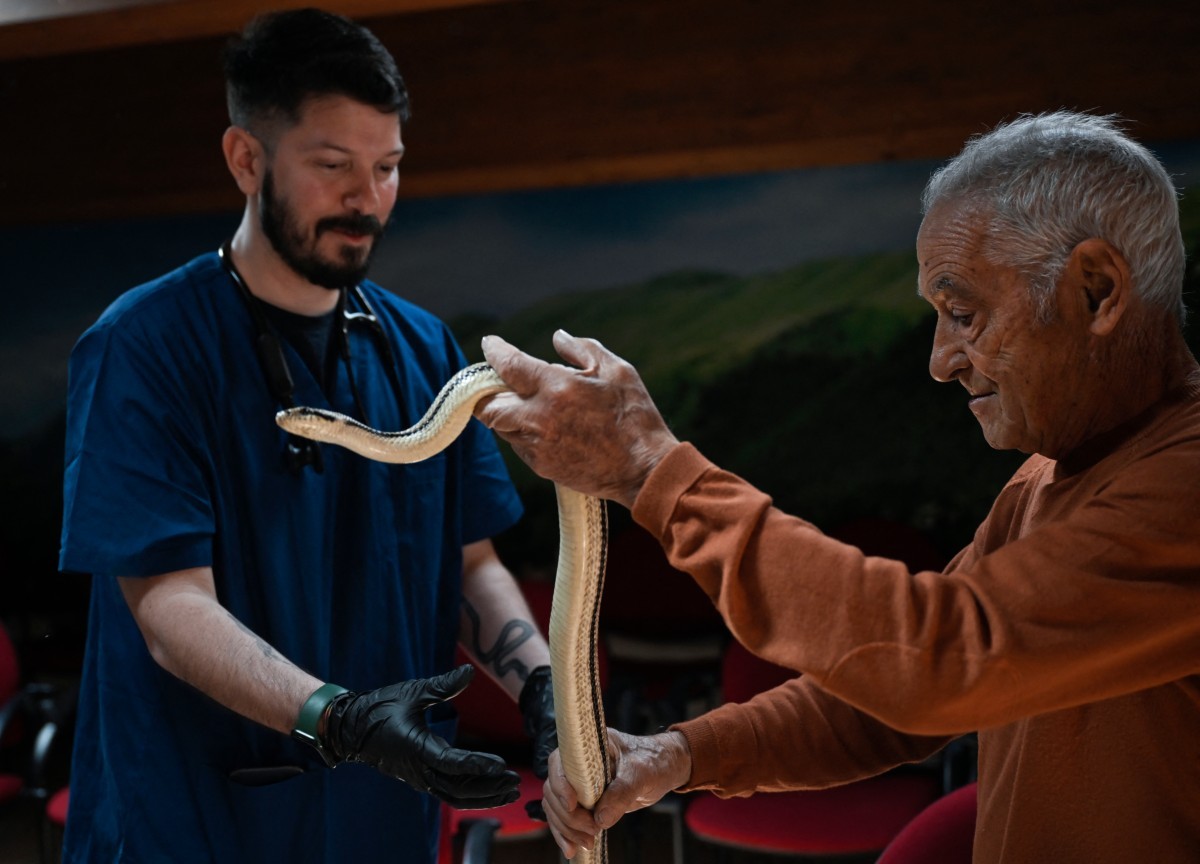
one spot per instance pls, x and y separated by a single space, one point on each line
744 675
942 833
10 669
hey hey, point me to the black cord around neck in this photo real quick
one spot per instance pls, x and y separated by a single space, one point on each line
300 451
271 356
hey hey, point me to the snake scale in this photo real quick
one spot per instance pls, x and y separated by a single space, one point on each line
579 581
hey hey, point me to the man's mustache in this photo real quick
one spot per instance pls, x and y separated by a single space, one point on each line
365 224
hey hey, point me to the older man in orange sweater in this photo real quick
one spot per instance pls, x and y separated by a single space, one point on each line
1067 633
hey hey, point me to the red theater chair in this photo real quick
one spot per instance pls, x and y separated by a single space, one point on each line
55 823
36 723
942 833
858 819
11 705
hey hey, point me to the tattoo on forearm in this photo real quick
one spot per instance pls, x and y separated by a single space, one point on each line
513 635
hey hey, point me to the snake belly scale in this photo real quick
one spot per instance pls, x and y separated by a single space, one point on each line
578 583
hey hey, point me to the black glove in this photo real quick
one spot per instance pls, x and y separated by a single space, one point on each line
537 710
386 729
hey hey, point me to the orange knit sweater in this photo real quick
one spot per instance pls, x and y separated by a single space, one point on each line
1067 634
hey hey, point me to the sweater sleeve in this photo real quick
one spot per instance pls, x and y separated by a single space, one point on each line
795 736
1095 602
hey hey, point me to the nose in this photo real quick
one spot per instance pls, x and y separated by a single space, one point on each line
948 357
364 193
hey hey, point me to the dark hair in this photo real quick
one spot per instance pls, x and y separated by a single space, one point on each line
283 58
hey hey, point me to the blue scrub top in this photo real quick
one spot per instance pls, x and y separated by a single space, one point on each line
173 461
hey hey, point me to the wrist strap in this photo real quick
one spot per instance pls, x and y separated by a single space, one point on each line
309 720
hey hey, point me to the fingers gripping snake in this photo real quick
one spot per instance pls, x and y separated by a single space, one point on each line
578 583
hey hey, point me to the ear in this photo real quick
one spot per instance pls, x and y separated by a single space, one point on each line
245 158
1098 277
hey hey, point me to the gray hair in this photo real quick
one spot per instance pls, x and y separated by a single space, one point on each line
1049 181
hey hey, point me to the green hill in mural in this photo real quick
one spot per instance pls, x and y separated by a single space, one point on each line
810 382
692 326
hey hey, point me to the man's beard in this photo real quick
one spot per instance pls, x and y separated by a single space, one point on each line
282 228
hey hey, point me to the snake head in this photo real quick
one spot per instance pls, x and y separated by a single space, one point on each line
314 423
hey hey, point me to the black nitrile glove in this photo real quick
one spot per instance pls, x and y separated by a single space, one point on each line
537 710
386 729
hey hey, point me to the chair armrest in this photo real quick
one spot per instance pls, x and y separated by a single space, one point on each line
476 837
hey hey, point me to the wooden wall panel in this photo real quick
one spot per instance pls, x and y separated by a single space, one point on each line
563 92
44 28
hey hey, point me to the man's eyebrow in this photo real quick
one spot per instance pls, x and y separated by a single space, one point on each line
329 145
940 285
944 283
326 145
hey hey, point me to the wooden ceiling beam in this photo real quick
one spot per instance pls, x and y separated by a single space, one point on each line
37 28
548 93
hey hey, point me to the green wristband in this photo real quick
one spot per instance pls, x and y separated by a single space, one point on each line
309 719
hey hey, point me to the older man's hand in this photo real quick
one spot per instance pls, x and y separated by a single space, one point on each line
593 427
644 769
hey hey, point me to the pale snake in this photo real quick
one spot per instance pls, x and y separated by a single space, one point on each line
579 581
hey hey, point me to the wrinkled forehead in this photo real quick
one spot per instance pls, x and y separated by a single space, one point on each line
950 235
958 221
955 254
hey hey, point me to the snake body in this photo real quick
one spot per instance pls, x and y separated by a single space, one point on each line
578 583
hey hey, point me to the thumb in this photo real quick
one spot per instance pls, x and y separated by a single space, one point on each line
611 806
581 353
449 684
622 796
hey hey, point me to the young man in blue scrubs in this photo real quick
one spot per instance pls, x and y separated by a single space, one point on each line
264 608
